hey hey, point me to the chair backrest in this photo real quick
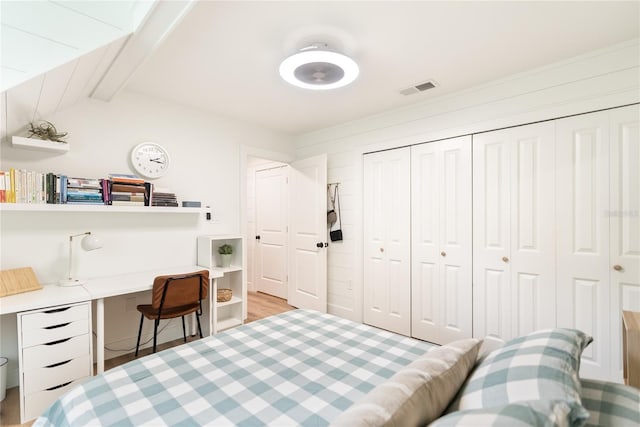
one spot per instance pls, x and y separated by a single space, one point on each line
180 290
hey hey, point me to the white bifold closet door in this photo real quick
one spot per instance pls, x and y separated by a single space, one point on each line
513 232
599 231
441 240
624 223
387 240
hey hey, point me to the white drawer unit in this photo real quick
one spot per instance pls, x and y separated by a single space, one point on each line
55 351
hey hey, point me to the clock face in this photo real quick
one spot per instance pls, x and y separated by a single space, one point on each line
150 160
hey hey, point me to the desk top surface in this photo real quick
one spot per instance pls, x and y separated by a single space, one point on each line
98 287
103 287
48 296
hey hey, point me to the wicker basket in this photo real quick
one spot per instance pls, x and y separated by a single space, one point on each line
224 295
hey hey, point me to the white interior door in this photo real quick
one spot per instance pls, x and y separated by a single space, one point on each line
271 231
387 240
624 220
441 240
308 233
582 189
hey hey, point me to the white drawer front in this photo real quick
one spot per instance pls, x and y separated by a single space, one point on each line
54 316
57 351
36 403
55 332
41 378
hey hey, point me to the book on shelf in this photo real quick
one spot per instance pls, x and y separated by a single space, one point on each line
125 178
148 194
105 184
163 197
84 183
3 190
125 197
126 203
52 188
127 188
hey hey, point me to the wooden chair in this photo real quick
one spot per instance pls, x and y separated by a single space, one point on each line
175 296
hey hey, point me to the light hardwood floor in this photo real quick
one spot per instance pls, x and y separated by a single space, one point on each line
259 306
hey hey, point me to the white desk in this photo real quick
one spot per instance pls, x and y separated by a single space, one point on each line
104 287
48 296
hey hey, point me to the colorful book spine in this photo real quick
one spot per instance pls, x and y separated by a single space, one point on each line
63 189
3 190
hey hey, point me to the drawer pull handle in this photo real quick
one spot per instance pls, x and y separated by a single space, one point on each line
59 386
61 325
57 310
59 364
57 342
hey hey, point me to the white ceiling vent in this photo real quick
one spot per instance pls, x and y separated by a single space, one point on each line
420 87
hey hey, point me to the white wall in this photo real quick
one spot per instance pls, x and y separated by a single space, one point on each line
206 164
600 79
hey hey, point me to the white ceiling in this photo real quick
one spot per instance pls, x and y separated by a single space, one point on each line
40 35
224 55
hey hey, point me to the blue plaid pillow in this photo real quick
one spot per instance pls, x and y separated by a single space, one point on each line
540 365
539 413
610 404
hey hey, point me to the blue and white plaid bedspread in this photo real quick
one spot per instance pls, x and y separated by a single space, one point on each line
297 368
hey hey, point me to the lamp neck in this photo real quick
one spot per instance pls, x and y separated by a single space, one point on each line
71 250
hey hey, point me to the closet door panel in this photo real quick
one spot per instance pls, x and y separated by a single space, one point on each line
375 268
624 220
455 240
441 197
582 186
387 292
425 196
532 254
491 237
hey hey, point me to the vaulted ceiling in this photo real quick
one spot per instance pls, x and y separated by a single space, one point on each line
223 56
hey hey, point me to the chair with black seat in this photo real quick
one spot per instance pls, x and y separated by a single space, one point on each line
175 296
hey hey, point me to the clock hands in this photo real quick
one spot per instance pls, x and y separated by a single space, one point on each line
157 161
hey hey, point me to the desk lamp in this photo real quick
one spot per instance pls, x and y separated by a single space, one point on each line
89 243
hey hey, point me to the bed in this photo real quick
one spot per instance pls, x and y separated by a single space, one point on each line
297 368
305 368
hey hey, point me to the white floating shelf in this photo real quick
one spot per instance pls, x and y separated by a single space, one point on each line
43 207
39 144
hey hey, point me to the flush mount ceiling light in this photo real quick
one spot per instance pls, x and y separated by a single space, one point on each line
318 68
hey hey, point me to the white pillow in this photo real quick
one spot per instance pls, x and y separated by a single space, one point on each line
419 392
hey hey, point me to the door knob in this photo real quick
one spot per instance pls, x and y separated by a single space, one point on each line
617 267
443 253
505 259
257 237
319 245
381 249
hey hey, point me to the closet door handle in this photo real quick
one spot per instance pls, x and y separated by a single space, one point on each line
319 245
505 259
257 237
443 253
617 267
381 249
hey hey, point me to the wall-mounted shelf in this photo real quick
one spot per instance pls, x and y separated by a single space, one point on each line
26 207
39 144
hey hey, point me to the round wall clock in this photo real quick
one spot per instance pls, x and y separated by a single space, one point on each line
150 160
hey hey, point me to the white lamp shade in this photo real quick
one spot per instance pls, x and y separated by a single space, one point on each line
90 243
